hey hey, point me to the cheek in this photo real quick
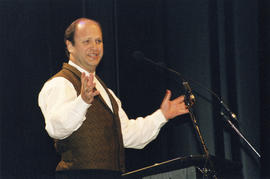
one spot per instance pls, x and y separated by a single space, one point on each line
84 51
101 49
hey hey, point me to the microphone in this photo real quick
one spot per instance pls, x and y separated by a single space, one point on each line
138 55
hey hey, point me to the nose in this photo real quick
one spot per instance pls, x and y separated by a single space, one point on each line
95 45
92 44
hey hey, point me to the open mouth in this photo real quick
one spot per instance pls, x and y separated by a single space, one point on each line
93 55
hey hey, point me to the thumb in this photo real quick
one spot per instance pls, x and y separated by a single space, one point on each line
167 96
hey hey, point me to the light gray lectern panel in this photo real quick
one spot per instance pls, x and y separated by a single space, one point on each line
186 173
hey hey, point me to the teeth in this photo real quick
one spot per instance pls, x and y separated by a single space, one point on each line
92 55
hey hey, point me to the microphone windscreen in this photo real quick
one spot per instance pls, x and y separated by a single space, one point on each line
138 55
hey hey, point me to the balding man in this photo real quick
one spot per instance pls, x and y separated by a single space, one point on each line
86 119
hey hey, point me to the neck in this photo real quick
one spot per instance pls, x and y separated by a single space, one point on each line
90 69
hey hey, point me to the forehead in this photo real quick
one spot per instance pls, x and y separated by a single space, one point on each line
88 29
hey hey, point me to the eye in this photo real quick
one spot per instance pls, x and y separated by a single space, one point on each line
86 42
99 41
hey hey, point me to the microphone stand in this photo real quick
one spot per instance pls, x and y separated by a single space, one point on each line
239 133
190 101
230 115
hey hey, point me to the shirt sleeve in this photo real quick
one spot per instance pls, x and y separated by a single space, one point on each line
63 110
137 133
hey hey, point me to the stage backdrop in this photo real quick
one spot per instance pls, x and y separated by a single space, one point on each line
213 43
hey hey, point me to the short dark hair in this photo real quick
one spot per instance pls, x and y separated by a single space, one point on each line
70 31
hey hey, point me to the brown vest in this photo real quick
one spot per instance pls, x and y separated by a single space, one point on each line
98 143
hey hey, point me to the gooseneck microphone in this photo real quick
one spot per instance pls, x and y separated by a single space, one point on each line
138 55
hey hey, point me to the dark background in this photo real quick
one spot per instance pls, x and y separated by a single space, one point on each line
223 45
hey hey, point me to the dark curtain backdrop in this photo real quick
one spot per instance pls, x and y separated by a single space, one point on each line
264 56
223 45
212 42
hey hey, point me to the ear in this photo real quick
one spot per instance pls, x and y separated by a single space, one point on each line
70 46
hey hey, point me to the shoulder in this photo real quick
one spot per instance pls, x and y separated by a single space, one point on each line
56 83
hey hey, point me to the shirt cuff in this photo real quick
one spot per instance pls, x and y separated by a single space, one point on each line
159 118
81 105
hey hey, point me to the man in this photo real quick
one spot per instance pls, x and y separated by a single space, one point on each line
85 118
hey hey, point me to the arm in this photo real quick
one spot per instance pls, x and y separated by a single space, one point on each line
137 133
63 110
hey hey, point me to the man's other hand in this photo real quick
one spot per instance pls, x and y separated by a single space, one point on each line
173 108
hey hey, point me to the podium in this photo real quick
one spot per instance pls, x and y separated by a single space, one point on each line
189 167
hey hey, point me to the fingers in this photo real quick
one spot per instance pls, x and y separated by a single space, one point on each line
83 80
95 93
179 99
87 81
89 97
167 96
88 90
182 108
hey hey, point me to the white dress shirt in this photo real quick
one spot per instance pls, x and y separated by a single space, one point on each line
64 113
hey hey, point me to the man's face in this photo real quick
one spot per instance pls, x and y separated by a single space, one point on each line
87 50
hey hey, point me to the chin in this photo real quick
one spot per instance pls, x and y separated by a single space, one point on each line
94 62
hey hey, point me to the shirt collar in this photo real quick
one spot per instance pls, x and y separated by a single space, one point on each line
79 68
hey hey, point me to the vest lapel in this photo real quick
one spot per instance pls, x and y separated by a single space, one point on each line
73 70
112 100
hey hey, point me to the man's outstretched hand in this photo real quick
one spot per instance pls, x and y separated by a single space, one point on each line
173 108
